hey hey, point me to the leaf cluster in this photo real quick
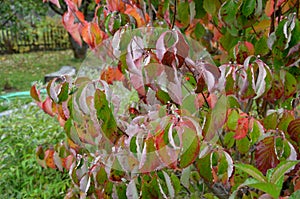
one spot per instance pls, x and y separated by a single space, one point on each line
194 128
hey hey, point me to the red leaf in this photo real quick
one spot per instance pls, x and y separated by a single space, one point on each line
167 154
49 158
91 34
269 8
294 130
242 128
112 74
265 155
115 5
80 16
35 94
68 20
72 4
67 161
47 107
140 17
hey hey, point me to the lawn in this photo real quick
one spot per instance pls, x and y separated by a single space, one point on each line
18 71
28 127
20 174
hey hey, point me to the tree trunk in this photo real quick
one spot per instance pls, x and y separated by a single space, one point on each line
79 51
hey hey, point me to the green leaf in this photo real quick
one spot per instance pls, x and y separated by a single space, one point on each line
169 185
228 41
290 85
121 190
176 183
248 7
228 12
204 167
105 115
295 195
229 140
183 12
261 46
199 30
270 122
210 6
216 119
64 92
269 188
252 171
185 177
285 120
163 96
150 187
282 168
190 147
232 120
243 145
200 12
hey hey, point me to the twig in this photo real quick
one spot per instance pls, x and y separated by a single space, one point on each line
254 31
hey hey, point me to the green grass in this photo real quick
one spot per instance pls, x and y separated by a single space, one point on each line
25 129
20 174
18 71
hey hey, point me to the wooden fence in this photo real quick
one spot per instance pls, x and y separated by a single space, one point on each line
33 39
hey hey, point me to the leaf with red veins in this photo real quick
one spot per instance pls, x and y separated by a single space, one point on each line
265 155
293 130
242 128
276 91
73 28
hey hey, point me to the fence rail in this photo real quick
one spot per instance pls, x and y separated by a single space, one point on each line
33 39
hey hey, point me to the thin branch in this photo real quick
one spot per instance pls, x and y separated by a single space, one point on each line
254 31
273 16
56 9
8 19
